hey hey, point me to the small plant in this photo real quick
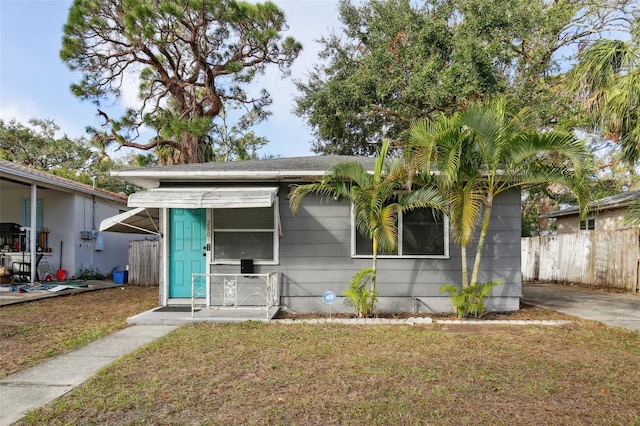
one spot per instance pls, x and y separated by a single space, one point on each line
469 302
89 273
358 296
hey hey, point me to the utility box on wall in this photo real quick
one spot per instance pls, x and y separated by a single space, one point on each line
99 243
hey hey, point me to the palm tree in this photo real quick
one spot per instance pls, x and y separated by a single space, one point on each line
483 151
607 81
376 198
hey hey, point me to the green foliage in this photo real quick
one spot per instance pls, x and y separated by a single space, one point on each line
192 58
469 302
89 273
606 82
400 60
235 142
485 150
38 145
362 299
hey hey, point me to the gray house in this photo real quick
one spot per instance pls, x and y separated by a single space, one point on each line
223 224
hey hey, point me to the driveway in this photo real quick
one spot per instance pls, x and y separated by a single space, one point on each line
617 309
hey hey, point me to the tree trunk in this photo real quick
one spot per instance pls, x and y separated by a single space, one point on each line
465 269
190 152
375 265
483 233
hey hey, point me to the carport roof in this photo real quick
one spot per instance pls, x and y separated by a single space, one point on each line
18 173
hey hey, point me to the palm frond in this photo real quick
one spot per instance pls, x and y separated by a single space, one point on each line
632 214
380 159
349 171
466 206
599 64
554 147
386 229
425 197
299 192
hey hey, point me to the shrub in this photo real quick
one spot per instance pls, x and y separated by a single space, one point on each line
469 302
89 273
358 296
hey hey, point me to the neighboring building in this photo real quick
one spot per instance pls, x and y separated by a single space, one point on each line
223 218
67 215
605 214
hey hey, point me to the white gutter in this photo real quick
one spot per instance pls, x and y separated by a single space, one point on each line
149 179
235 174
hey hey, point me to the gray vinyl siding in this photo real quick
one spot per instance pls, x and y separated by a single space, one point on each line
315 254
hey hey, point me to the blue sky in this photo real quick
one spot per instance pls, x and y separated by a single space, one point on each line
35 83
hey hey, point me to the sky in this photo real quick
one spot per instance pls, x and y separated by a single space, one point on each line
34 82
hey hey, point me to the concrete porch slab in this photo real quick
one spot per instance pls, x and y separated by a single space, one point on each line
158 316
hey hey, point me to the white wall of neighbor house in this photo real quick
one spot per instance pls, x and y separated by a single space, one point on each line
65 215
316 255
104 251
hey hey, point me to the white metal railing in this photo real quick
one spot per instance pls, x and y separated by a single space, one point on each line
233 291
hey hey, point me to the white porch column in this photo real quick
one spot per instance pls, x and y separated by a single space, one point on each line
34 230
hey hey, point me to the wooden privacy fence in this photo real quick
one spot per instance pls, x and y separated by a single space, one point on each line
606 259
144 262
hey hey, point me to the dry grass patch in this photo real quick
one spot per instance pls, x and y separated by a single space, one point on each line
279 374
38 330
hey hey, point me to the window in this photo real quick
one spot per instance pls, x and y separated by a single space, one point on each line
421 233
588 224
26 213
245 233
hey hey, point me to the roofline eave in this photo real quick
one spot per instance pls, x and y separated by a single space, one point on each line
31 179
152 179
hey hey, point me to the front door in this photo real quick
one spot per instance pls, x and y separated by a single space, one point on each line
186 251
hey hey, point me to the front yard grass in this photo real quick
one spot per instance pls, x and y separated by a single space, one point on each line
35 331
286 374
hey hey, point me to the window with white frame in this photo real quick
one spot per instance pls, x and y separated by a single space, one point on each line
588 224
422 232
245 233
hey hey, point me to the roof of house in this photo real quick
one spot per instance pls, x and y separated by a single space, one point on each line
19 173
292 169
615 201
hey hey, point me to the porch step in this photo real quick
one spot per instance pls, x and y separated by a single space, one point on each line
177 315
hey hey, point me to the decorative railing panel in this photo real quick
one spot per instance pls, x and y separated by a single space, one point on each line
233 291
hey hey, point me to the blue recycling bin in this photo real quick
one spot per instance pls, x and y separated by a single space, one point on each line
120 277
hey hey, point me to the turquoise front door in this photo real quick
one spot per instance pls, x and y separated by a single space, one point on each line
187 239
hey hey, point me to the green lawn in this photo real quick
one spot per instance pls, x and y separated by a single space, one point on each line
299 374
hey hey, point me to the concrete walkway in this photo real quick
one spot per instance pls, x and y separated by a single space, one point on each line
43 383
617 309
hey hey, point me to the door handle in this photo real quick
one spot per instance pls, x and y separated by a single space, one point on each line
207 247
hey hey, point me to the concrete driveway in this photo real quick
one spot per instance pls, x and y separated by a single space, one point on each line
617 309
